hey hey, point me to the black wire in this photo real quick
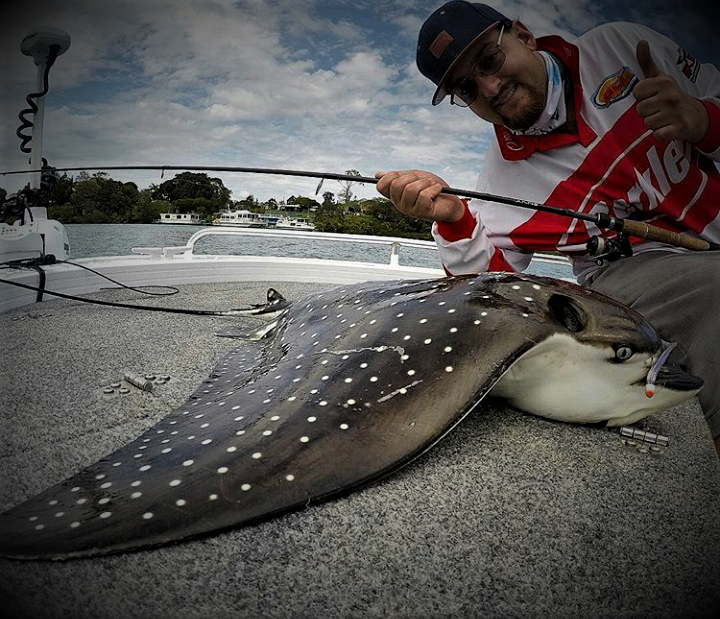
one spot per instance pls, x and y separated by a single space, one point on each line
168 310
172 289
53 52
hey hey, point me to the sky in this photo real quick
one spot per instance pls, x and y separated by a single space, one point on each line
321 85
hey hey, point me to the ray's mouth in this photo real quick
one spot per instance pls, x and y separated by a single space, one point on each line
669 374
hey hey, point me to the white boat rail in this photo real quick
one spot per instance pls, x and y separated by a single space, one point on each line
394 243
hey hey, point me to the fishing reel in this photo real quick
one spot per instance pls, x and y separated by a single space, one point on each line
609 249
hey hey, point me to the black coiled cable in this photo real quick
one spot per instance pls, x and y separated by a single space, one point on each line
53 52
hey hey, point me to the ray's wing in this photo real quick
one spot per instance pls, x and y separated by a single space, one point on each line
352 387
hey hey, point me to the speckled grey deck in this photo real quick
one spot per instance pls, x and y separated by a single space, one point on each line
509 516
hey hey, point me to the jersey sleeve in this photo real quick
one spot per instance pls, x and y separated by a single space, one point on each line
466 246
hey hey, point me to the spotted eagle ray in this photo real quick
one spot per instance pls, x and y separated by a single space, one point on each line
343 388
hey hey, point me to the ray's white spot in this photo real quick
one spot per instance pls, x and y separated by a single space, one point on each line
257 455
344 426
245 487
222 470
148 515
290 477
304 439
188 462
181 502
105 515
312 419
175 482
213 497
428 341
448 348
136 495
449 368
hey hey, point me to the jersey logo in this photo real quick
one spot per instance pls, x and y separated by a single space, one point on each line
690 66
614 88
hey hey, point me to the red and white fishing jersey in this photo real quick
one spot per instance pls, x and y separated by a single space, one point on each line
613 165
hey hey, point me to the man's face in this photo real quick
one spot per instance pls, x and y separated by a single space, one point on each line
514 96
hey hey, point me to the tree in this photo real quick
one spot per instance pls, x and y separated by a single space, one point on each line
62 190
346 194
328 199
303 202
193 185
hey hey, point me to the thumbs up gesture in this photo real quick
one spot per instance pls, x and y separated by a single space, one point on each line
666 109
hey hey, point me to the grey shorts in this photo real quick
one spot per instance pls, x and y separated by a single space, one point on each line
679 294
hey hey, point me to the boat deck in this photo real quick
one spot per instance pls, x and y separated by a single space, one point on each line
511 515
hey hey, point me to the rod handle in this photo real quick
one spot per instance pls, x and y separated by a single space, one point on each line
653 233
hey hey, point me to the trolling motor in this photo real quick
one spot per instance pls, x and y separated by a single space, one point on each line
25 231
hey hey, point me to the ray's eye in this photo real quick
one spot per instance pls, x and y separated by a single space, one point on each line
623 353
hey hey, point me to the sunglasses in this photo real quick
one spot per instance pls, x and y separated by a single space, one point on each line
489 62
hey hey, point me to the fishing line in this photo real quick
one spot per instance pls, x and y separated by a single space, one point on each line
601 220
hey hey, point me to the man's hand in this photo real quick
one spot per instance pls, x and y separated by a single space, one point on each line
670 112
417 194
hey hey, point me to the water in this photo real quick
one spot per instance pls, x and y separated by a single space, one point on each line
91 240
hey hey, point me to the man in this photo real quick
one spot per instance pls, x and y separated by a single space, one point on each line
620 121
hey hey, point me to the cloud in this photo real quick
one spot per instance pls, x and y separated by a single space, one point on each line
307 84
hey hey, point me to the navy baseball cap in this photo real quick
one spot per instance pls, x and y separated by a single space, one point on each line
446 34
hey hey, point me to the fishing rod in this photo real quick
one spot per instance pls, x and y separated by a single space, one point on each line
627 227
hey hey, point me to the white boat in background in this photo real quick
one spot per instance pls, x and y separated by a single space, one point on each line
190 219
295 223
241 219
